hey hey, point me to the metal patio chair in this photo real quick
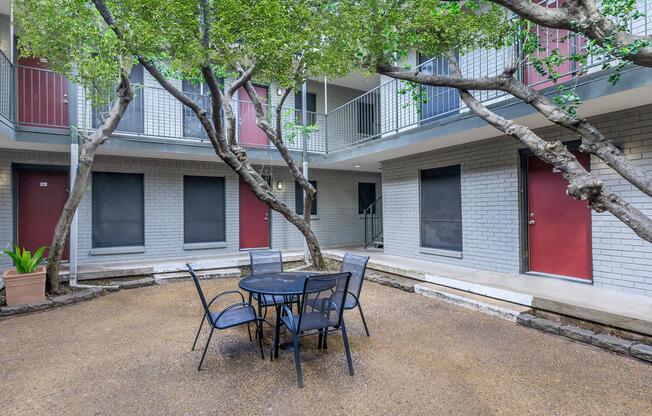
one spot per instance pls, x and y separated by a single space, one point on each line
321 311
242 313
266 261
356 265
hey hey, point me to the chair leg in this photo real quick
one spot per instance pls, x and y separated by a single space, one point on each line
203 318
320 339
260 340
277 334
260 313
297 359
249 331
364 322
205 349
324 342
345 339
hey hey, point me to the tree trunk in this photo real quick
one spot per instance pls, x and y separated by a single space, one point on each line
227 148
86 156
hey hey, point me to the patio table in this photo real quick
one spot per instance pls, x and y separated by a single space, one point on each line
283 286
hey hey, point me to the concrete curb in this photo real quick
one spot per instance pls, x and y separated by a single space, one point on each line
500 309
604 341
54 302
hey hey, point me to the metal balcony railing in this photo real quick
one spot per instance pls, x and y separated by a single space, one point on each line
156 113
392 107
42 97
7 95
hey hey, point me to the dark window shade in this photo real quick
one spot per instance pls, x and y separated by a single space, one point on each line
298 199
366 196
118 210
311 101
132 120
441 208
203 209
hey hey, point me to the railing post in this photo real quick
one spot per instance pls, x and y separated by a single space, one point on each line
14 87
326 134
396 104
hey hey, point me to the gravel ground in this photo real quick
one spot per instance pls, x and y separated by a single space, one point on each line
129 353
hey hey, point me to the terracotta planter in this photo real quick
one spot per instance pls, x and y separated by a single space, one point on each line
21 288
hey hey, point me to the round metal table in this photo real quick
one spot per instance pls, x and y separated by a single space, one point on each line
283 286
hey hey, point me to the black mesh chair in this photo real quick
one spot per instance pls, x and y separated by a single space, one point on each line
262 262
320 312
356 265
236 314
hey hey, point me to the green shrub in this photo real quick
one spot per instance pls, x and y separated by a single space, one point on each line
26 262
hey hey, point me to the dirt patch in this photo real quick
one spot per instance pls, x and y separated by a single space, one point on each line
129 353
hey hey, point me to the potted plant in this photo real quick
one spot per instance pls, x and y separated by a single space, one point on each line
26 282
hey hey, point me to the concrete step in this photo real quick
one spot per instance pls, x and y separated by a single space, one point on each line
505 310
202 274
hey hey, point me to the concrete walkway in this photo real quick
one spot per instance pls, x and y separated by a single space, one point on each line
168 265
583 301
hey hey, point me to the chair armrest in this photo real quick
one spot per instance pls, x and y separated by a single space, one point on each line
357 301
290 316
228 292
235 306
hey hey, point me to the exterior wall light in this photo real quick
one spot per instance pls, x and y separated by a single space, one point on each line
279 185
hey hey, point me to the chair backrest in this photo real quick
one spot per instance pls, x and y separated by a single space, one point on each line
266 261
324 294
356 265
200 292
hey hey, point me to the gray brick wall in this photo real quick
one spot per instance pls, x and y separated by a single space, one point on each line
337 224
490 212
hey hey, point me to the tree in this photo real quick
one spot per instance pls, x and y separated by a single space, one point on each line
451 28
284 42
75 42
606 24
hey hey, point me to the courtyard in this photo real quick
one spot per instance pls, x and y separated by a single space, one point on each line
129 353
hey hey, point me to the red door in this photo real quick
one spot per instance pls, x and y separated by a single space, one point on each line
41 197
559 226
254 220
42 95
249 134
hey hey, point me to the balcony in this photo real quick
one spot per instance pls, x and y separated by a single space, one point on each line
385 110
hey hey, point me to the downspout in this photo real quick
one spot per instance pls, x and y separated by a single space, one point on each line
304 138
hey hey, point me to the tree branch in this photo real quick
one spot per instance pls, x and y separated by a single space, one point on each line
593 141
582 185
581 16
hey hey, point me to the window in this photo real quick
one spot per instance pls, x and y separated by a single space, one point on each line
200 94
298 199
311 100
203 209
441 208
132 120
439 100
366 196
118 210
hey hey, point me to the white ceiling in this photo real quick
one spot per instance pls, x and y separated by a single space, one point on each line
355 80
5 6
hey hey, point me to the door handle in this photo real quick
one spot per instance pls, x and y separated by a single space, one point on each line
531 222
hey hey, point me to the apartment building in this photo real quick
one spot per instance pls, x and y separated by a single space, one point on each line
424 180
